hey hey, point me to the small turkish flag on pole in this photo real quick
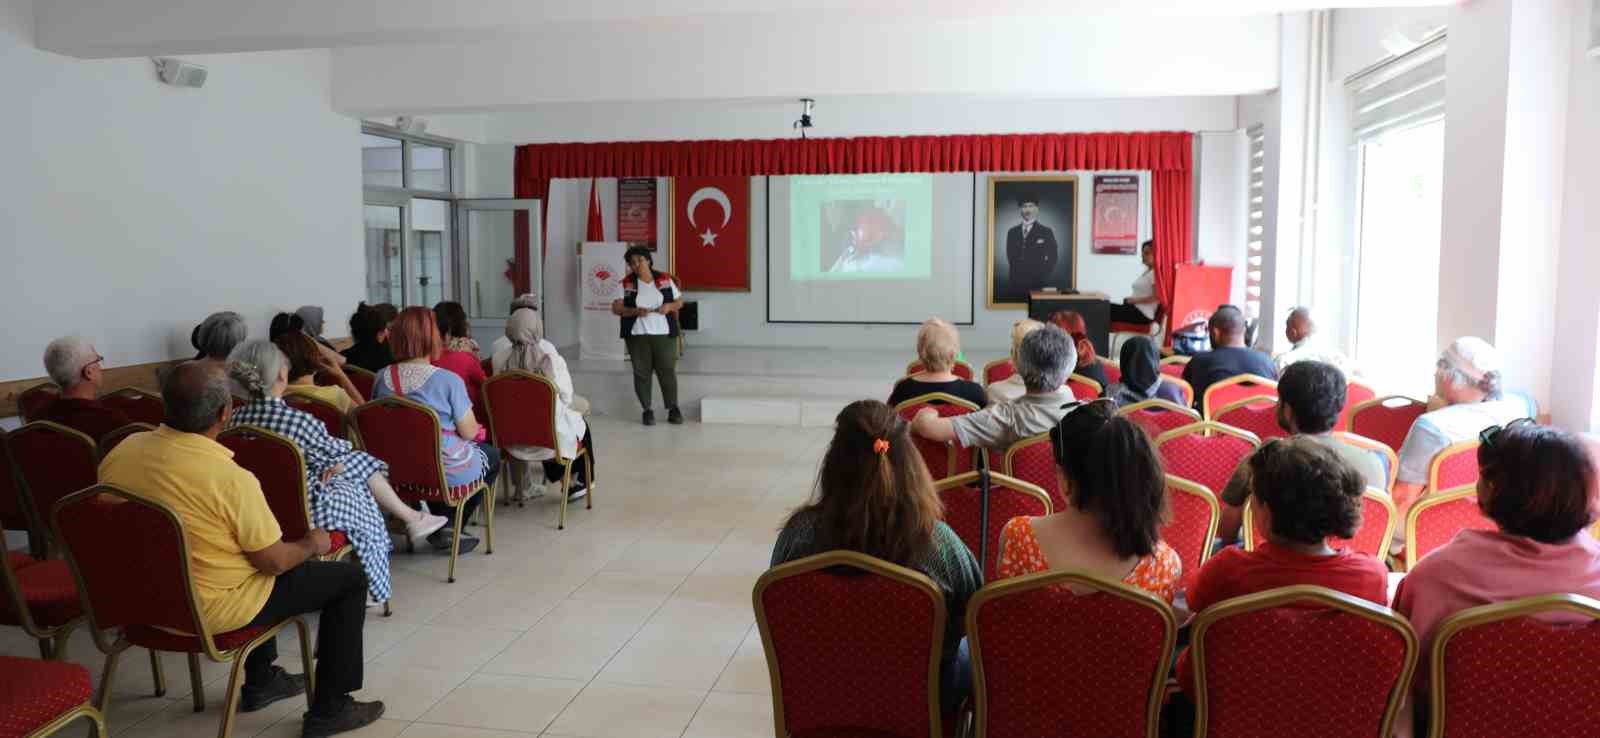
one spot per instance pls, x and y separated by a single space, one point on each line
597 223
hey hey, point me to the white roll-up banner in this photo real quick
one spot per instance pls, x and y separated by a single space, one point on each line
600 273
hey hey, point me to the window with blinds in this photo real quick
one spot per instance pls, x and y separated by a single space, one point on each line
1255 245
1399 93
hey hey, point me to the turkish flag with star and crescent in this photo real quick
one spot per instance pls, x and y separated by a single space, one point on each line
711 233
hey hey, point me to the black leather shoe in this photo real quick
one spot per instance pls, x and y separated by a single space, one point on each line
674 416
282 686
352 716
649 417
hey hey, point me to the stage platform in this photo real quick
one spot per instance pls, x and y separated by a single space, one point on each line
793 387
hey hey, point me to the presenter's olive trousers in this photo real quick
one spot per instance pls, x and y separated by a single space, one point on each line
658 355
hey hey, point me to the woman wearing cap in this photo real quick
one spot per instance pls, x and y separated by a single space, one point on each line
1467 398
649 311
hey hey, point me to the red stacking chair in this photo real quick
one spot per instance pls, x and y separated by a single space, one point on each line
1030 636
1356 393
1083 388
361 378
1205 453
1159 416
1386 420
1234 389
280 467
522 412
961 369
1302 661
41 698
334 419
998 370
1389 459
15 512
111 440
1258 414
1032 460
39 597
31 401
1008 498
943 459
1183 386
1173 366
405 435
1436 519
1192 526
138 405
52 461
131 562
1378 522
1455 465
1501 669
886 622
1112 369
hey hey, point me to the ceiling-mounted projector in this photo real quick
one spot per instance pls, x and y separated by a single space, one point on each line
180 73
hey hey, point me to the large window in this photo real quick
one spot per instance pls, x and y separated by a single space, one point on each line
410 218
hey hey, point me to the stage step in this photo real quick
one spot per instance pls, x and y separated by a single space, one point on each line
808 412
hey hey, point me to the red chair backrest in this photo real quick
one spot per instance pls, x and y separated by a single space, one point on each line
1034 640
1356 392
31 401
1112 369
13 509
1083 388
1302 661
1033 461
1208 460
139 406
1437 517
1008 498
53 461
1192 526
521 408
998 371
1233 389
943 460
362 379
114 438
1501 670
405 435
1258 414
1372 538
1386 419
326 412
1173 368
1159 416
961 369
130 559
280 467
826 610
1454 466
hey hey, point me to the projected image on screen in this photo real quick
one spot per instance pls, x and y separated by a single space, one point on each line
861 227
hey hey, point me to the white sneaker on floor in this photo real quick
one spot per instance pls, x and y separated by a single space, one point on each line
419 530
579 491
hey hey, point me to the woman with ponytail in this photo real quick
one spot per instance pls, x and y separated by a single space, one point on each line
346 487
874 496
1118 495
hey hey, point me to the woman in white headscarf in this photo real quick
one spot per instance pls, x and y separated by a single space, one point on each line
529 351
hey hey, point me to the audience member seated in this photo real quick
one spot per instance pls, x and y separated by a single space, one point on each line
1228 357
460 354
874 496
938 346
1044 360
76 368
1071 321
311 322
305 360
527 301
1305 492
345 487
370 333
414 339
1011 387
216 336
1307 345
1118 494
287 323
244 573
1467 399
1140 362
1538 485
529 351
1311 396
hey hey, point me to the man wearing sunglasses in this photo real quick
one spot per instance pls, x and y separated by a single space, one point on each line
77 369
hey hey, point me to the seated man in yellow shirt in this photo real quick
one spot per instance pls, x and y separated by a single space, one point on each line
244 573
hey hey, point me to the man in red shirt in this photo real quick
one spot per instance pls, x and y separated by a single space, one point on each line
76 368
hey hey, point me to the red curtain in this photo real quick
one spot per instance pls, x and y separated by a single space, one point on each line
1168 155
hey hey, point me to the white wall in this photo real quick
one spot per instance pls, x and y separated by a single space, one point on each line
1575 376
130 209
1220 223
1358 34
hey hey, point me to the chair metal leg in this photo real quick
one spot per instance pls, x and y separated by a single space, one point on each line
157 674
588 465
197 689
455 543
103 704
58 650
230 702
566 490
305 660
488 526
44 649
386 611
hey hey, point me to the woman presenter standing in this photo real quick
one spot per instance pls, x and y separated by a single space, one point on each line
649 311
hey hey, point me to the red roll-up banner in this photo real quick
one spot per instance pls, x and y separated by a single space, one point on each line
711 233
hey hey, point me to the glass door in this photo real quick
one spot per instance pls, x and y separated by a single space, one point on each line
487 234
385 269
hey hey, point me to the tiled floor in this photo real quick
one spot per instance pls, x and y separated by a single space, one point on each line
635 622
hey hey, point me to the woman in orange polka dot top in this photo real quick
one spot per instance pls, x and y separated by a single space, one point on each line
1118 495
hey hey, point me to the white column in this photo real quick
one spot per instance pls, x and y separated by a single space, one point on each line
1575 371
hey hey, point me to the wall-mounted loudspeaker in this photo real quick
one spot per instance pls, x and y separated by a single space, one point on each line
180 73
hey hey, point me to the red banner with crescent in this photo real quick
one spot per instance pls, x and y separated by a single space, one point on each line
1199 290
1116 214
711 233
